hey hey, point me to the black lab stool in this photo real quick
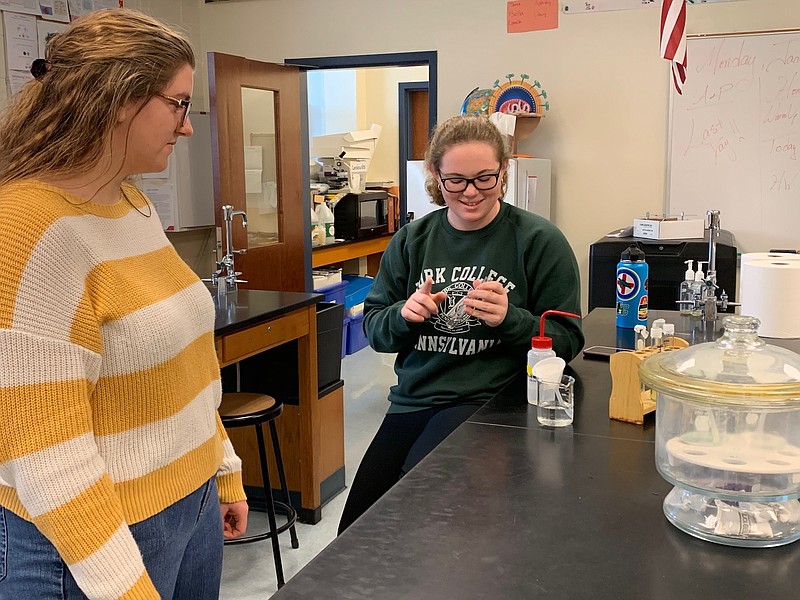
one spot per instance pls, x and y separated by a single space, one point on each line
241 409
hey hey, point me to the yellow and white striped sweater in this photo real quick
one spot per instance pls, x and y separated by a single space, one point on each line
109 381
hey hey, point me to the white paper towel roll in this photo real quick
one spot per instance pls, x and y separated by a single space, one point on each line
768 256
769 289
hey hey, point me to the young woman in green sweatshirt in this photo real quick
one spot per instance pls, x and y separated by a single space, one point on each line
458 297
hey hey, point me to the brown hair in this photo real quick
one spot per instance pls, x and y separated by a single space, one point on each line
58 124
461 130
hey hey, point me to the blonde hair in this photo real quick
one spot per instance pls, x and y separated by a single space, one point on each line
58 123
461 130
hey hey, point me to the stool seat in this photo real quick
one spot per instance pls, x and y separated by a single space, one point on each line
241 409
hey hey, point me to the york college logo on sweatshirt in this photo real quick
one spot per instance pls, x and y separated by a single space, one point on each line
453 319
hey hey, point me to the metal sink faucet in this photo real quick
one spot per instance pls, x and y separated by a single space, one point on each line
225 277
706 302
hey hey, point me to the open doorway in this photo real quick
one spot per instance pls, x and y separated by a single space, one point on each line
407 131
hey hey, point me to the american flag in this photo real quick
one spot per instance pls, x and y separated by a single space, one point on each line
673 39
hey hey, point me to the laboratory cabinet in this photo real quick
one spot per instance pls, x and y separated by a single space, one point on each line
667 262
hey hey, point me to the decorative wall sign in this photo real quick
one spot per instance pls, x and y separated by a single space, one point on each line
514 96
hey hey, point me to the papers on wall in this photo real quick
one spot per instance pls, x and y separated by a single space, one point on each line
20 47
45 31
571 7
531 15
574 6
25 36
79 8
30 7
162 195
53 10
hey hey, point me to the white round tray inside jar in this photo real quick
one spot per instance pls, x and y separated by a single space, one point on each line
728 437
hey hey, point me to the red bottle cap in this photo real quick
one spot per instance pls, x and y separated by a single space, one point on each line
541 341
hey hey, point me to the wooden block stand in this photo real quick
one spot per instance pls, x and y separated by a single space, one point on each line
629 401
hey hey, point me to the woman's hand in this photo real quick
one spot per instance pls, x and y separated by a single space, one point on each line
234 519
487 301
422 304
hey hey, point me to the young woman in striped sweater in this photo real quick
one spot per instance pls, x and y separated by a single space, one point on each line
116 476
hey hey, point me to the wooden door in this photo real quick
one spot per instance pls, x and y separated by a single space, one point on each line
415 129
257 104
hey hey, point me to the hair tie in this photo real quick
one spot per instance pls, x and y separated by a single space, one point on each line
40 67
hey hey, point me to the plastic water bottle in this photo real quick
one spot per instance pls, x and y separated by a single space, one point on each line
316 230
632 276
541 348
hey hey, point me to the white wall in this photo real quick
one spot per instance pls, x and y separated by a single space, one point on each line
607 86
381 107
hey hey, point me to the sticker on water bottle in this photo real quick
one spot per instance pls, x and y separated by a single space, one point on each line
643 308
628 283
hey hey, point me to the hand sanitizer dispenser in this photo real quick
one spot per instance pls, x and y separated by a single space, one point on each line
685 293
698 290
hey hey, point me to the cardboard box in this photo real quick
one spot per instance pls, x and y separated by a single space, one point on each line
669 229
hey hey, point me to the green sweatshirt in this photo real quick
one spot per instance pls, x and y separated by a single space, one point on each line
453 357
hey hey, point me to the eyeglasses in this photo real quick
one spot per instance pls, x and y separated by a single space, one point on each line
179 103
459 184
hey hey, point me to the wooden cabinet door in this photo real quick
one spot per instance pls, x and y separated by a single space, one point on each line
257 159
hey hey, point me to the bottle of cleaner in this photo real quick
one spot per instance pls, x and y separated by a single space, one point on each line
685 289
632 276
541 347
325 217
316 230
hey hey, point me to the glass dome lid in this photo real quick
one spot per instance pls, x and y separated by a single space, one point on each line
739 368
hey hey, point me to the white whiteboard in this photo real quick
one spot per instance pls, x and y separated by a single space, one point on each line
734 137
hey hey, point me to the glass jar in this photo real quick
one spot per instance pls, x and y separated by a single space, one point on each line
728 437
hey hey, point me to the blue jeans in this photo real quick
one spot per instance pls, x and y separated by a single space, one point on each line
181 547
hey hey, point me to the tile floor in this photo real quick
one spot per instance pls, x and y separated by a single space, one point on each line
248 570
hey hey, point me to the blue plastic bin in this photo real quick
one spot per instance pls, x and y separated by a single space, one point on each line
334 293
345 328
357 290
356 338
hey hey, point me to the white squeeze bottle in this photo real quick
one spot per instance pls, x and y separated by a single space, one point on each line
325 217
541 347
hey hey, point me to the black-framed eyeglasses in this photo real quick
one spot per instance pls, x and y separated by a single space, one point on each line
179 103
481 182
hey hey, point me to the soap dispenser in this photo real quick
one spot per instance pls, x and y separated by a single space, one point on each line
698 290
685 290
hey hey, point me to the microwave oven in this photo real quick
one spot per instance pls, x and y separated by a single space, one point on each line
363 215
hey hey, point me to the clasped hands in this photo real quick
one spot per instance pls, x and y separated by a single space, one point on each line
487 301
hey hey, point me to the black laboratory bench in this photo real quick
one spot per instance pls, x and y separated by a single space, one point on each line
252 324
245 308
507 509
